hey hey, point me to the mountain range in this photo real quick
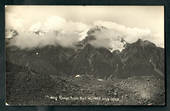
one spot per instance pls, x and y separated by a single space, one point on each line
136 59
32 69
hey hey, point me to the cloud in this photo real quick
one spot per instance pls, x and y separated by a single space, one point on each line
107 38
131 34
56 30
110 36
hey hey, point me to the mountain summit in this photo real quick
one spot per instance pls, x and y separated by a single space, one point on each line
137 59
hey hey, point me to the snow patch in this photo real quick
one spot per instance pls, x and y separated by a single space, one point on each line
100 80
77 76
6 104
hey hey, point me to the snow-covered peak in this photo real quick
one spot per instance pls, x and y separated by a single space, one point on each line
10 33
38 33
96 28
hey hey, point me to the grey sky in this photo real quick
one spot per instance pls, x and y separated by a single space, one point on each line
132 16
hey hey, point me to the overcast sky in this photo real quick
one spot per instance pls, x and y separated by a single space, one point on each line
142 17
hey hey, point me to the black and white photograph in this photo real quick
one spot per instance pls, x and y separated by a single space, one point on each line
84 55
